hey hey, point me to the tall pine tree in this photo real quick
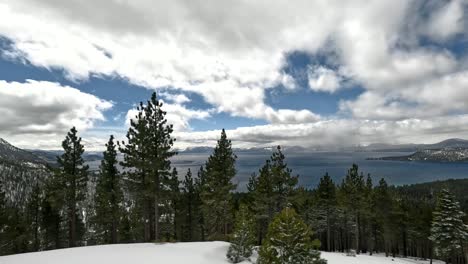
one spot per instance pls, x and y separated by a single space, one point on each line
146 154
74 176
109 196
216 194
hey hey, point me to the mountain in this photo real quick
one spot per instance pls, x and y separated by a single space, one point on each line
12 154
449 143
450 150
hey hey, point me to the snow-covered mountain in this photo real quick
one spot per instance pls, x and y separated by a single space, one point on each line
172 253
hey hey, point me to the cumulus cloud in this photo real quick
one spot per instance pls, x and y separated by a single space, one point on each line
324 79
177 115
38 113
231 52
447 21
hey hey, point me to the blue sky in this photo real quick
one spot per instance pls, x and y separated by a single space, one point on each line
320 75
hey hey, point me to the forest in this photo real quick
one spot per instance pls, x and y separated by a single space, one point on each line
148 201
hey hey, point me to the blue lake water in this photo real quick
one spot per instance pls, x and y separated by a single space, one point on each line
311 166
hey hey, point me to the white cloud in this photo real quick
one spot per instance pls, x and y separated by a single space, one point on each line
324 79
177 115
175 98
447 21
437 97
39 113
231 52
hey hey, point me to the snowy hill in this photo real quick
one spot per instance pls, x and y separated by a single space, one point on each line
176 253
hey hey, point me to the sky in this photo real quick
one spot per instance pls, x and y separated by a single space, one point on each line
304 73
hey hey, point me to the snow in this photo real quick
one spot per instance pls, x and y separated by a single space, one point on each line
169 253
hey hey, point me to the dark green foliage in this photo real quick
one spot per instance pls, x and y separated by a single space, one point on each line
288 241
243 237
352 201
146 155
325 209
216 191
74 178
272 190
448 232
189 200
108 197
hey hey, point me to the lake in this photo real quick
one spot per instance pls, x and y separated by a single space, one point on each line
311 166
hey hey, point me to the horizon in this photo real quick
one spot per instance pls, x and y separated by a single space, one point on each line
320 75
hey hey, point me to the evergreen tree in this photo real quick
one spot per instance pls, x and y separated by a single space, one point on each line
108 197
3 217
243 237
216 194
352 190
284 184
189 206
327 203
147 154
173 207
272 190
74 178
198 204
288 242
51 218
448 232
34 214
383 214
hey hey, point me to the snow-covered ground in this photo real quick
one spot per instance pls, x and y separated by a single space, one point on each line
176 253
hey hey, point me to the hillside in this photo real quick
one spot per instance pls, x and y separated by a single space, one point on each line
177 253
12 154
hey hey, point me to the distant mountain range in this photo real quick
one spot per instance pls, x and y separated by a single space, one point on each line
447 150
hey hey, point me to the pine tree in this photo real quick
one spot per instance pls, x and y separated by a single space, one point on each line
284 184
288 242
109 196
383 215
448 232
147 154
352 190
74 178
51 218
198 204
189 206
243 237
34 214
216 194
327 203
272 190
3 217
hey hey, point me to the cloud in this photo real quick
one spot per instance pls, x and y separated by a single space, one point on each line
437 97
334 133
177 115
230 53
175 98
324 79
447 20
39 113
